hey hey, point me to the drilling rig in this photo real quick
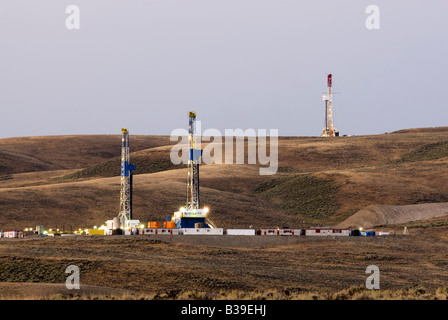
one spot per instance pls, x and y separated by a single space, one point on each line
125 213
192 216
329 130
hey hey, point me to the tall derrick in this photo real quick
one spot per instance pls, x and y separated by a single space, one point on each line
329 130
193 164
125 213
192 216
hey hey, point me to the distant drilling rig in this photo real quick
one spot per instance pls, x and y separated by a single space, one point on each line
192 216
329 130
125 213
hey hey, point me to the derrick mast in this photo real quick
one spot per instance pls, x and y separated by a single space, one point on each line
192 216
329 130
193 164
125 213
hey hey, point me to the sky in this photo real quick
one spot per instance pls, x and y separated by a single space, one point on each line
248 64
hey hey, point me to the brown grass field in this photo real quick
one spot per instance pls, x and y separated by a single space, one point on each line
71 182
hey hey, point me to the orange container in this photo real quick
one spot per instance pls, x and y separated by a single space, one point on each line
169 225
153 224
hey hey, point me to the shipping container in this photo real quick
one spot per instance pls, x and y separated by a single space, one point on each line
96 232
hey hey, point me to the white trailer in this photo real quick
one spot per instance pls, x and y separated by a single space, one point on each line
148 231
13 234
201 231
167 231
269 232
327 232
341 232
289 232
214 231
240 232
191 231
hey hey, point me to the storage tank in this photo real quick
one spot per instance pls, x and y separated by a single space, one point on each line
153 224
116 223
169 225
40 229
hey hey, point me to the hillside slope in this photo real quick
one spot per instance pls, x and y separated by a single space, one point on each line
319 181
380 215
32 154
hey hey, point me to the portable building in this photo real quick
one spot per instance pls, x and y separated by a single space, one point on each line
269 232
240 232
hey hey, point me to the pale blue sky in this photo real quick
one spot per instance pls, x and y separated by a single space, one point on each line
258 64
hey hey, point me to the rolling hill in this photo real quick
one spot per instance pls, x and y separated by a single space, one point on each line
73 181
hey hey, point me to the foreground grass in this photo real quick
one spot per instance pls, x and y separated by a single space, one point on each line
352 293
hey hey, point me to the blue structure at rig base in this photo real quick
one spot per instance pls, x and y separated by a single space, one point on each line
191 223
192 218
